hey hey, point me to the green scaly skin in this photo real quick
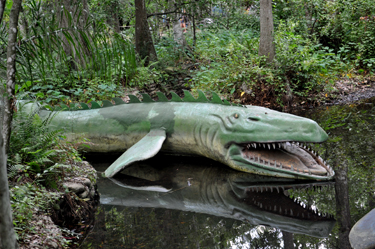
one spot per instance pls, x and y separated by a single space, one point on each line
228 134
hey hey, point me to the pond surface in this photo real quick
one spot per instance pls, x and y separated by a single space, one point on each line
183 202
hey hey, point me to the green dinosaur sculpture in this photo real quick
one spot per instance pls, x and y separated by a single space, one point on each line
250 139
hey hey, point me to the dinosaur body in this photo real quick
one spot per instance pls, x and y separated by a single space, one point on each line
253 139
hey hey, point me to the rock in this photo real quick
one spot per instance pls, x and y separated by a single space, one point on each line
84 194
75 187
362 235
87 182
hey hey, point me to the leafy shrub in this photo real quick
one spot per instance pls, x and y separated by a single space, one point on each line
98 55
303 62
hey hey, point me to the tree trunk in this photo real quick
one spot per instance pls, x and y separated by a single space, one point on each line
342 202
2 8
288 240
7 234
9 98
143 40
266 45
115 18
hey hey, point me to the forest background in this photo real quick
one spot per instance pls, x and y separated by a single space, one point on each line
85 50
90 50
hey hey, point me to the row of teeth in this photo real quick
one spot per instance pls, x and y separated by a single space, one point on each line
283 145
277 165
266 145
277 188
275 209
302 204
280 145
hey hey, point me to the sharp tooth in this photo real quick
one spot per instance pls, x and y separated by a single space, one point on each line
269 164
264 146
261 189
255 145
275 164
275 208
280 211
274 146
291 168
261 205
278 190
269 146
291 212
281 165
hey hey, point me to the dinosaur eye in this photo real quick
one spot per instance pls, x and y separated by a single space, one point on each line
254 118
236 115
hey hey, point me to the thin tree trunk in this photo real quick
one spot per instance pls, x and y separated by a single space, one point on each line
288 240
342 202
143 40
2 8
8 236
115 18
266 45
9 98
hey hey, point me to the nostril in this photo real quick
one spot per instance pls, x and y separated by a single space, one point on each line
254 118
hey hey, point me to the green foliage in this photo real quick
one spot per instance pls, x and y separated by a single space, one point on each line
340 25
98 56
27 199
229 60
38 159
304 62
237 20
31 143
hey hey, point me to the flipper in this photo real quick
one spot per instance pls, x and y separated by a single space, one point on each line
135 183
145 148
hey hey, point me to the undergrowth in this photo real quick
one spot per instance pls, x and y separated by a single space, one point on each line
38 161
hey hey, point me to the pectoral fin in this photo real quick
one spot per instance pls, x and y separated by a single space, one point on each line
145 148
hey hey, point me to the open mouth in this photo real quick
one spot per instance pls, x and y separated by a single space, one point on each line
264 197
292 157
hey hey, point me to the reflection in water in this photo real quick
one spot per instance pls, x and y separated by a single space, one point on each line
350 149
215 191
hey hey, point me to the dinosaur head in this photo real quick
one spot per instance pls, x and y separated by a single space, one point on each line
267 142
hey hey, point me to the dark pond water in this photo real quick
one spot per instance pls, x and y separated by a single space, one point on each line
182 202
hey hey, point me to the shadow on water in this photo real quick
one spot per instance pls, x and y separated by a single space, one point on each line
181 202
